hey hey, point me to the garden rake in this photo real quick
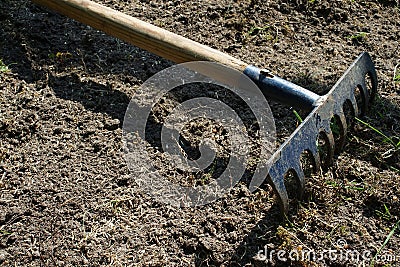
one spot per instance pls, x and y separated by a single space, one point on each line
356 88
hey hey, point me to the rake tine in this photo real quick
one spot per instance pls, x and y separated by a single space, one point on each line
301 180
331 150
339 144
358 109
317 160
279 189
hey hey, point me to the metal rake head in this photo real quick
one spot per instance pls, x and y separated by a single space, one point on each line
356 88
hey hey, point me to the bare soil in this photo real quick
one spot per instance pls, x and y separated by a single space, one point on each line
66 195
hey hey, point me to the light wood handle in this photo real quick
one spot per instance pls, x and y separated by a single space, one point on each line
139 33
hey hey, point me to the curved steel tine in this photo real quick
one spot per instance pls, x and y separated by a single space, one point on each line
353 101
370 95
374 84
327 137
317 160
339 144
331 146
280 191
301 181
361 109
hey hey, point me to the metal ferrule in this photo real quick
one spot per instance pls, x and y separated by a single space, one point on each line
282 91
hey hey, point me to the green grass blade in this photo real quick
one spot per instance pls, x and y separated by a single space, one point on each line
385 243
297 116
387 138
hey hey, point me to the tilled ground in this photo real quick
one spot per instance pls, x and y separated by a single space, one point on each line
66 196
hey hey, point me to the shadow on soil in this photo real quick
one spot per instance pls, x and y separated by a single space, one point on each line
30 46
93 96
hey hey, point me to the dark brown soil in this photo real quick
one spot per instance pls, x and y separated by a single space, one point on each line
66 196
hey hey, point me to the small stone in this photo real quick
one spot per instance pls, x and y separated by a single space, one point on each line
111 124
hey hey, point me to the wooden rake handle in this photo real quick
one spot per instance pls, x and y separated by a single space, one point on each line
139 33
177 48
